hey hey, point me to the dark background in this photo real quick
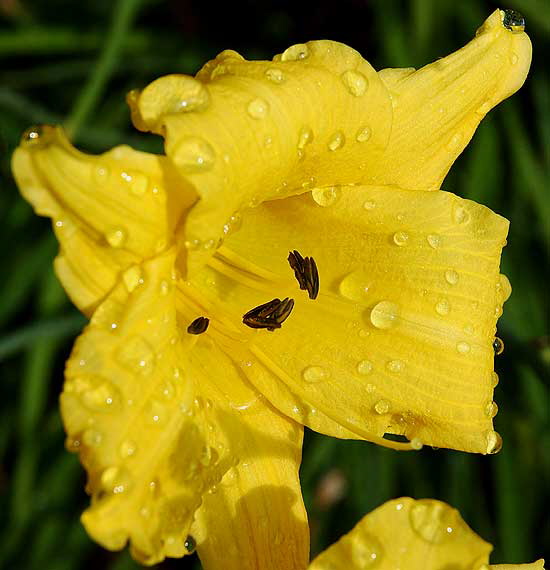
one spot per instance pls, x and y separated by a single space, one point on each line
67 61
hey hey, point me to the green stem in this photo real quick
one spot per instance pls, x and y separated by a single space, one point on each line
123 16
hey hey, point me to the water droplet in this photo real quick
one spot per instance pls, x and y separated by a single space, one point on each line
326 196
513 20
127 448
369 205
370 388
258 108
190 544
395 366
366 552
400 238
275 75
315 374
514 58
494 379
454 141
416 443
498 311
434 240
92 437
115 480
102 398
193 244
442 307
164 288
183 95
305 137
451 276
385 314
505 287
337 141
295 52
363 134
193 154
155 412
137 355
233 224
116 237
132 277
463 347
461 215
36 136
101 175
137 181
355 82
364 367
382 407
433 521
491 409
498 346
494 442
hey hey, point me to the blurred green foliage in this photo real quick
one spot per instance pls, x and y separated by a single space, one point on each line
62 61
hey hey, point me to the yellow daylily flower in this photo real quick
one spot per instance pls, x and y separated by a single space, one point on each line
412 534
188 421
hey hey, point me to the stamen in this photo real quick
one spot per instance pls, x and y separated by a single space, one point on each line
270 315
198 326
305 271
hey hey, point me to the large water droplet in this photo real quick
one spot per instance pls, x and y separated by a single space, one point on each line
355 287
491 409
315 374
336 141
400 238
513 20
451 276
385 314
326 196
494 379
442 307
416 443
37 136
137 355
116 237
194 154
295 52
363 134
433 521
132 277
355 82
498 346
258 108
364 367
494 442
434 240
382 407
275 75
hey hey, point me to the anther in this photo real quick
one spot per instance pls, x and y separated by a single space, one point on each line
198 326
305 270
270 315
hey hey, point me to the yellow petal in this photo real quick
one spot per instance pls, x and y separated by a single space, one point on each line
130 408
318 115
108 211
437 108
255 517
538 565
404 533
399 340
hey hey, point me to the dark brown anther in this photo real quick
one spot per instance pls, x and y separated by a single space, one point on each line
305 271
270 315
198 326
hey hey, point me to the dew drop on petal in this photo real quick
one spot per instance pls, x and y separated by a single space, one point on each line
193 155
432 521
369 205
498 346
442 307
454 142
484 108
116 237
92 438
494 379
258 108
36 136
132 277
364 367
461 215
494 442
434 240
366 552
315 374
275 75
463 347
382 407
355 82
295 53
326 196
400 238
491 409
337 141
451 276
514 58
137 355
416 443
127 448
363 134
101 174
305 137
385 314
395 366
